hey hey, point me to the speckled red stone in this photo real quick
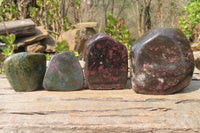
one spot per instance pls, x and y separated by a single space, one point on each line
106 63
162 62
64 73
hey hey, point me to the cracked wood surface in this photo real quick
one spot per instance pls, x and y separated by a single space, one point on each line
106 111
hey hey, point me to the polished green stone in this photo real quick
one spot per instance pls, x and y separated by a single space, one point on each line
64 73
25 71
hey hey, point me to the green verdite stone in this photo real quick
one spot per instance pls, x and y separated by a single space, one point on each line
64 73
25 71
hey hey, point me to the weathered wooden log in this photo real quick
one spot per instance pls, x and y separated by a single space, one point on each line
20 28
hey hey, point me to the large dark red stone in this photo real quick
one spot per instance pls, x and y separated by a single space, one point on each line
106 63
162 62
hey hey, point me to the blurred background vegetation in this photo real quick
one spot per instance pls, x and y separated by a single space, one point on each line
139 15
125 20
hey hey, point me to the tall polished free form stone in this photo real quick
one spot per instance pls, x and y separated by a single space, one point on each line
162 62
25 71
106 63
64 73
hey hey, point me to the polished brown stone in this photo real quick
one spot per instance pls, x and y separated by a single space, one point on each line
162 62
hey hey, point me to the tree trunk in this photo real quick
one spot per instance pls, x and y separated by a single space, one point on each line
112 6
87 10
46 17
121 9
143 16
138 18
105 7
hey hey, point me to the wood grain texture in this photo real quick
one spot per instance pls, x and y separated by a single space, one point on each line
92 111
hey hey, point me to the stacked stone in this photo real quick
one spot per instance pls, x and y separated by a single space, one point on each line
77 37
40 42
28 37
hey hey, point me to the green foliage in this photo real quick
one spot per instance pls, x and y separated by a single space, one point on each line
9 40
62 46
194 1
1 1
39 3
190 17
53 20
68 25
48 14
8 10
78 3
130 43
48 57
33 12
121 34
9 50
76 54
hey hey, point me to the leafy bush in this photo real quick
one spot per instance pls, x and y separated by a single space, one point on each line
9 40
9 50
121 34
63 46
8 10
47 57
47 14
190 17
52 20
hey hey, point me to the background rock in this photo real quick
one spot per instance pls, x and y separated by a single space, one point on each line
21 28
197 59
50 44
195 46
41 34
36 47
76 38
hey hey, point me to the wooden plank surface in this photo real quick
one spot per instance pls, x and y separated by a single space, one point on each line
90 111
